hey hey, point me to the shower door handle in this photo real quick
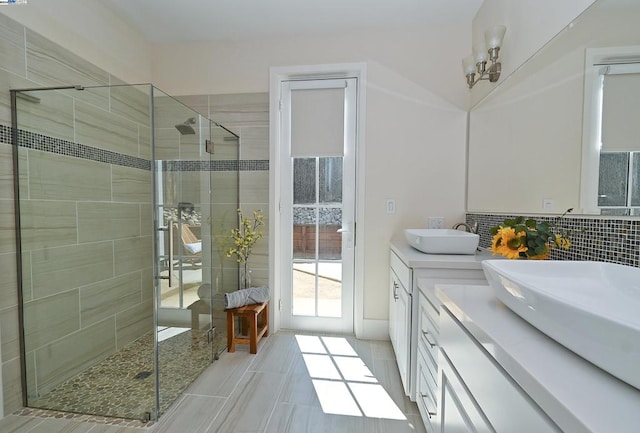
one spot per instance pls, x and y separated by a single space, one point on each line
170 252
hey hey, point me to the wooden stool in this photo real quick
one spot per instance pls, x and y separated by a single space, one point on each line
249 315
197 308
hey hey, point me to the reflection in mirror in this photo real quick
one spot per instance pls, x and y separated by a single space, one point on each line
613 90
528 149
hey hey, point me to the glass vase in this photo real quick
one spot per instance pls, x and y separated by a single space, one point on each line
245 276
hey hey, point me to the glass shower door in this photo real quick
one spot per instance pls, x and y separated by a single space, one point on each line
182 211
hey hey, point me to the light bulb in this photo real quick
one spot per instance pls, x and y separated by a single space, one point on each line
494 35
469 65
480 52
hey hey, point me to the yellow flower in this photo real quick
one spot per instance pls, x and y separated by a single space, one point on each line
562 242
520 238
508 243
246 235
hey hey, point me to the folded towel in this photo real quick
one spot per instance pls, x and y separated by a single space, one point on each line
240 298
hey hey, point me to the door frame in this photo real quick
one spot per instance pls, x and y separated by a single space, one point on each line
311 72
344 323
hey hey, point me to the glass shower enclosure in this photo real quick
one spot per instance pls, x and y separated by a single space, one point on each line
125 201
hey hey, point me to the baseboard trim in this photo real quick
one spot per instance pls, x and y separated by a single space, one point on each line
373 330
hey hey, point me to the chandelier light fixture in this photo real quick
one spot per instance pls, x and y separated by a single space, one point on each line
475 65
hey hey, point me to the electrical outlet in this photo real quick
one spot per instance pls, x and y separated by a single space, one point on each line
435 222
547 204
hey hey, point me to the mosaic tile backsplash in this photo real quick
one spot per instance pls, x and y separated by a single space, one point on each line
600 239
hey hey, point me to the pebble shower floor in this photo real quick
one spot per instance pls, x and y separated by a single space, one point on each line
122 385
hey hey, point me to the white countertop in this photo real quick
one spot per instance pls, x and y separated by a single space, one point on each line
417 259
577 395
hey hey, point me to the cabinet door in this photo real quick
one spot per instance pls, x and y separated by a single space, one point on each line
393 320
454 417
459 412
401 306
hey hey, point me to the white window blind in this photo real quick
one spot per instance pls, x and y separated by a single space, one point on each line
317 122
621 113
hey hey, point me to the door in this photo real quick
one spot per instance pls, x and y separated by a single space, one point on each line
183 216
318 204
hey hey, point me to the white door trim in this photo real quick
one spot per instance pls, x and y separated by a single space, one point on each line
288 73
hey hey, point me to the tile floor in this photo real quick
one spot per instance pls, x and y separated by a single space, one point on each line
297 382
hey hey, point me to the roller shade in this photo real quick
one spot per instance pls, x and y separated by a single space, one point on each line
621 113
317 122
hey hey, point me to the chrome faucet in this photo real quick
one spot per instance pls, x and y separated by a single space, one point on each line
470 228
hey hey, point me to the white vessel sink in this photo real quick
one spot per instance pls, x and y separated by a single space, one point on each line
442 241
592 308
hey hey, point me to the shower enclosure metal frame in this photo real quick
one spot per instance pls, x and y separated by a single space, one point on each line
157 225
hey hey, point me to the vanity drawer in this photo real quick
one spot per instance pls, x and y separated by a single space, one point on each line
427 391
430 368
427 329
401 270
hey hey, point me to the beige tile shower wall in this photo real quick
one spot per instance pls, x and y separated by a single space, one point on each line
77 213
248 116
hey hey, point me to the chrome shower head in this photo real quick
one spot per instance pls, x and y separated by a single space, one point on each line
186 128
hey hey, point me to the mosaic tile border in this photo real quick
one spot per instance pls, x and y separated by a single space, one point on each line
121 422
31 140
600 239
220 165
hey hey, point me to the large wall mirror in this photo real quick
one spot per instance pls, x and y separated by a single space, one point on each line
535 141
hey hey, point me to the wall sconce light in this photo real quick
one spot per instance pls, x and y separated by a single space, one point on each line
489 49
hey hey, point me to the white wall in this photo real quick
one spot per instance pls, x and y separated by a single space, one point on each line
415 121
92 31
530 25
415 154
242 66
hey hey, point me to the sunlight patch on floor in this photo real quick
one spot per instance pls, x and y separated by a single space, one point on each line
342 381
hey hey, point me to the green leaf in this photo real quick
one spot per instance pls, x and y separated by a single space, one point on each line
520 228
540 250
509 222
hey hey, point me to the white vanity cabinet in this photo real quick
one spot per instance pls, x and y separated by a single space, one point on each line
413 313
500 374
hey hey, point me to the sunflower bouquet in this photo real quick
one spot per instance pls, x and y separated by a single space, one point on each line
521 238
